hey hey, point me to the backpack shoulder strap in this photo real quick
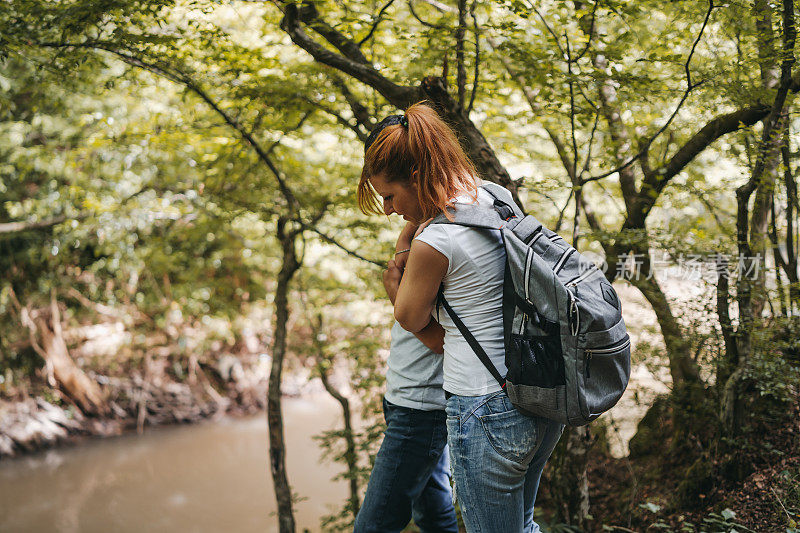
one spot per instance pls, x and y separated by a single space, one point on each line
502 196
471 340
478 216
473 216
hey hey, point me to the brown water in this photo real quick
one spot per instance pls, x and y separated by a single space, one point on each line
211 477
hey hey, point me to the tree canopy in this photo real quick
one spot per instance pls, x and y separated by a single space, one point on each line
187 161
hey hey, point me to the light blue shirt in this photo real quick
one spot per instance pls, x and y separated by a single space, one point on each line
414 374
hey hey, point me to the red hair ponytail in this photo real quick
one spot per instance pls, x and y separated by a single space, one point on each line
427 149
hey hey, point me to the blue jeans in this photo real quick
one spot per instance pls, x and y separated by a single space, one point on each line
411 476
498 455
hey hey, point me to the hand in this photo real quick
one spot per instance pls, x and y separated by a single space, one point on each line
391 279
405 236
422 227
403 245
400 259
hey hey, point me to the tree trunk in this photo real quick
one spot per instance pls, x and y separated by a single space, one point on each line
569 483
752 230
475 144
790 265
682 367
759 220
60 366
277 445
751 290
350 454
727 363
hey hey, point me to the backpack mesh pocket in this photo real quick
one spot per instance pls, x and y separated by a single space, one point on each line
535 360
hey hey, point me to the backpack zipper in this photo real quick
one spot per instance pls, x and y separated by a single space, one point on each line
574 315
533 237
574 281
562 260
528 261
587 354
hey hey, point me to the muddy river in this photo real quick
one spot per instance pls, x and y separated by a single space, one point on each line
209 477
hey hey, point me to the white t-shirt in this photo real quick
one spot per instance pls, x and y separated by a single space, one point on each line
473 286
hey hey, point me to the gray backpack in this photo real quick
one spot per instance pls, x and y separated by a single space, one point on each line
567 351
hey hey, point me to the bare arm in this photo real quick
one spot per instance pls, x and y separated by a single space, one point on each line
415 294
432 335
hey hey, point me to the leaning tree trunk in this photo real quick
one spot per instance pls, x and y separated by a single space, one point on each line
277 445
350 454
682 367
46 325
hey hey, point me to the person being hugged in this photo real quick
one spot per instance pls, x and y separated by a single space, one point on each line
417 169
411 474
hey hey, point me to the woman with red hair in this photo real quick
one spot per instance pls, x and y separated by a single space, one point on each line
415 167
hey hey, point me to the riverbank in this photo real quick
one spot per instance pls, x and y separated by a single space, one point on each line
32 419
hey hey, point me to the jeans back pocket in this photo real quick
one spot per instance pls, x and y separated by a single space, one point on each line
511 434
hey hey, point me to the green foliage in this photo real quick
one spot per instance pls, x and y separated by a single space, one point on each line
787 498
722 522
145 136
775 366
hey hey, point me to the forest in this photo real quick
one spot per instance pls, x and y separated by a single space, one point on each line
180 238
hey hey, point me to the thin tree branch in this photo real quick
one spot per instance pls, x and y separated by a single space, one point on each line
461 70
444 8
689 88
530 97
362 136
284 133
572 112
590 33
712 208
17 227
549 30
561 150
175 75
360 111
419 19
359 69
378 20
331 240
588 160
613 197
563 211
476 32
